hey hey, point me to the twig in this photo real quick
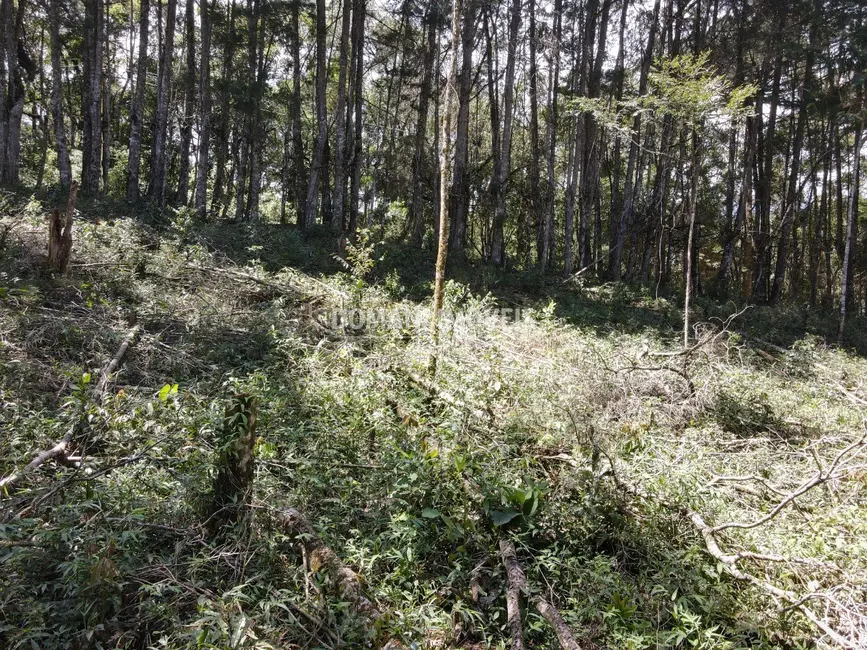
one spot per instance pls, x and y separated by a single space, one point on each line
818 479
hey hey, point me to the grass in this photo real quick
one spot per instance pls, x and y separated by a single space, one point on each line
569 431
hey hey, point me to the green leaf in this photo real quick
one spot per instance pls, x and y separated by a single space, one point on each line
503 517
430 513
165 391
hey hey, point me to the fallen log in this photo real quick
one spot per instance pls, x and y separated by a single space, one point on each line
564 634
322 559
517 585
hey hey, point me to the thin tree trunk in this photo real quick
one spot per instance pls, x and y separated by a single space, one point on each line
157 186
10 140
321 118
446 148
616 254
533 219
219 205
136 114
693 204
359 14
851 219
791 205
106 82
415 218
188 117
63 165
204 110
550 196
340 120
460 183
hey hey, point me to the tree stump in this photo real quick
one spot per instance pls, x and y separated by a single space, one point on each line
60 235
235 462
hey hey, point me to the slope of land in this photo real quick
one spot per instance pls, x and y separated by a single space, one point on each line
707 499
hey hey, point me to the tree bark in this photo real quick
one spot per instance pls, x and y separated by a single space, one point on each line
359 14
616 254
535 216
498 243
459 199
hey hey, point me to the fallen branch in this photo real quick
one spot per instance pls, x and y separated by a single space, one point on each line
564 634
517 585
114 364
322 558
58 450
821 476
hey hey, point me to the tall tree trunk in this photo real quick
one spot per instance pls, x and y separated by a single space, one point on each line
762 241
6 23
219 205
63 165
616 254
106 81
616 191
460 183
10 139
299 174
340 121
550 195
693 204
592 145
157 186
204 110
446 148
189 103
846 289
136 113
791 205
533 219
321 118
91 154
415 217
498 243
359 14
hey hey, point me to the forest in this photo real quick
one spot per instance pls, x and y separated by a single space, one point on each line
402 324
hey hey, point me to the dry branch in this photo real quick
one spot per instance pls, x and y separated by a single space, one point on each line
56 451
114 364
517 585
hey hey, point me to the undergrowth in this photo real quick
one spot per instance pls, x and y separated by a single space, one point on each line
575 430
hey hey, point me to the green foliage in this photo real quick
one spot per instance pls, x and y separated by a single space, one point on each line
534 430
